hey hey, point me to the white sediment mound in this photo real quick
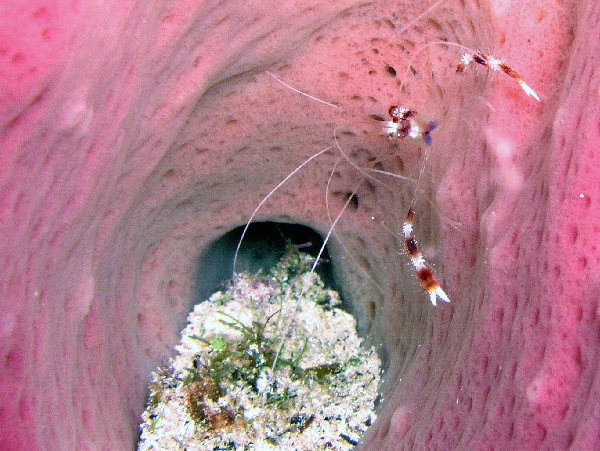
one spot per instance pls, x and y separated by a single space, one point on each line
223 392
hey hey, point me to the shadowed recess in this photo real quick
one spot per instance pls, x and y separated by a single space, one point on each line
264 244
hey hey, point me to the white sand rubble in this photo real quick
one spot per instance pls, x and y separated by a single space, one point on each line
223 392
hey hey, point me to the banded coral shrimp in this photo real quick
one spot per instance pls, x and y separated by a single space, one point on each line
422 67
411 127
